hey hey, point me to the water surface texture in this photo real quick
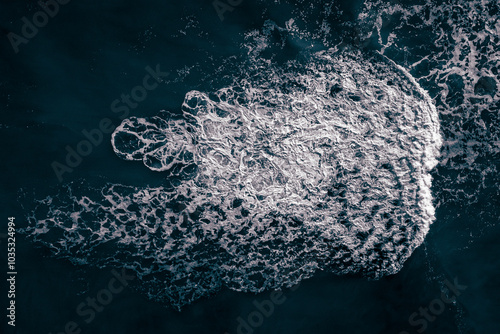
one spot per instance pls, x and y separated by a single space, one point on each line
343 152
318 166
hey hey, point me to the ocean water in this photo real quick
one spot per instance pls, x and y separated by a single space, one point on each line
345 153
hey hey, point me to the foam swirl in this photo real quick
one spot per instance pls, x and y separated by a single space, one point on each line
316 166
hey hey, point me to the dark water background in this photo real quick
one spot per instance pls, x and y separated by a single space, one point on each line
64 80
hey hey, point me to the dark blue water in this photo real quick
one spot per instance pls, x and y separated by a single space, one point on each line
64 80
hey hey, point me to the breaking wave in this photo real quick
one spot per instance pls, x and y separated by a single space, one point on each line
315 165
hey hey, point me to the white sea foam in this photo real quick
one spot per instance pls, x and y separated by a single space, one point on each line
299 168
